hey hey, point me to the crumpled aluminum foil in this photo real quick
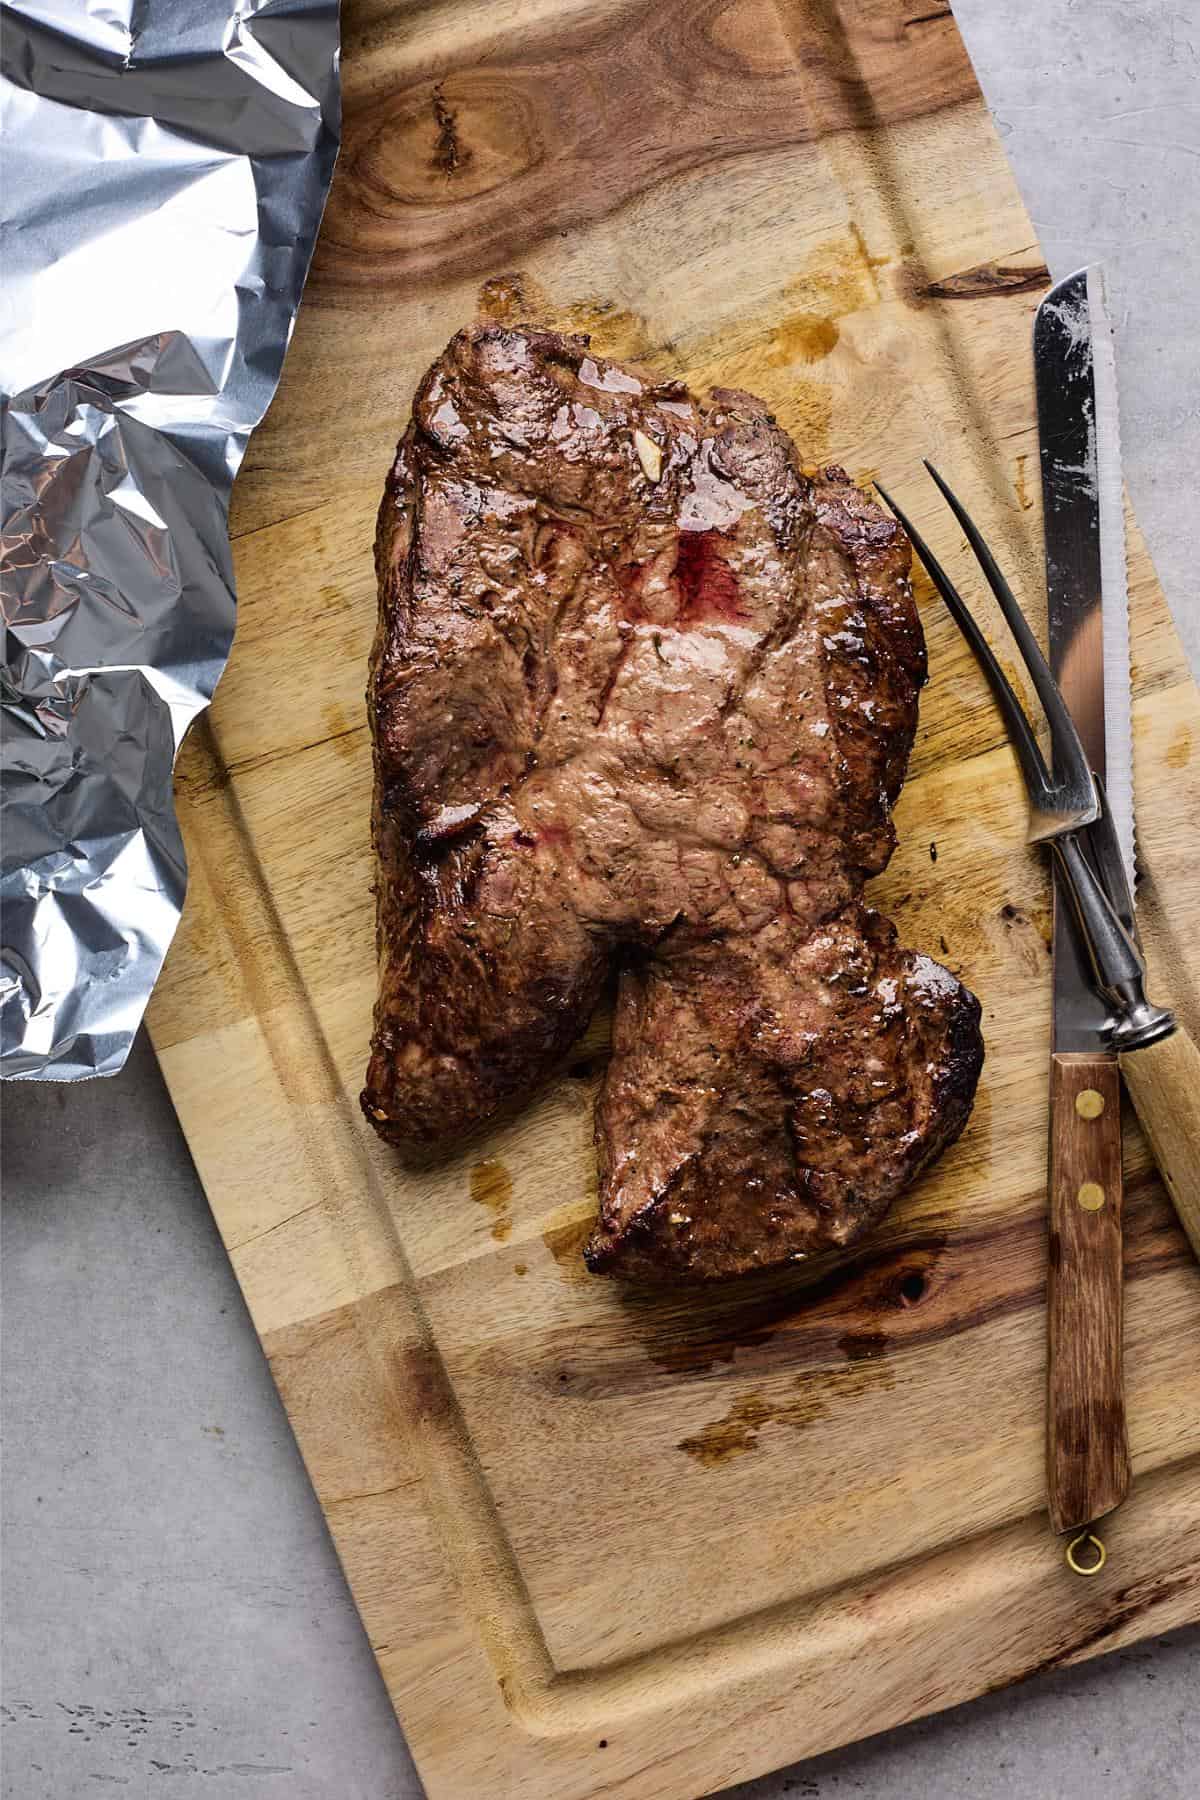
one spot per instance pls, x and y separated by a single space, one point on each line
166 165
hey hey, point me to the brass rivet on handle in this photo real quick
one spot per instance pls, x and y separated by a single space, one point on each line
1090 1196
1089 1104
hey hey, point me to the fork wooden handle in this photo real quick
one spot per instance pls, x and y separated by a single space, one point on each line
1164 1085
1087 1455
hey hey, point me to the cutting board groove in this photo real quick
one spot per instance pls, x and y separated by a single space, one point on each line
604 1542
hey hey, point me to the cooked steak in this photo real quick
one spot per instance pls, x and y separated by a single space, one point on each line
642 691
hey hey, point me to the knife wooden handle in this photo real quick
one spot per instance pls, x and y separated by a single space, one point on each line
1164 1085
1087 1455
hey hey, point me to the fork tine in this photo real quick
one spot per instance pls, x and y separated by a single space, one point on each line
1068 759
1033 767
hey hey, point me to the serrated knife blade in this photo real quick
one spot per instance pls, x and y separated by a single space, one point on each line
1075 370
1086 588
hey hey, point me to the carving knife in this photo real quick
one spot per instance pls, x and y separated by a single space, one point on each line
1104 1025
1087 1456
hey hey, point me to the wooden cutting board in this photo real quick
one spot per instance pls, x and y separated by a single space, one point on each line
605 1544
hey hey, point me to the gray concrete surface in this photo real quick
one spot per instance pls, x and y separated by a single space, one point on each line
174 1618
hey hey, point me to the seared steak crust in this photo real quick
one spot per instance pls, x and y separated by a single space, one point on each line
641 689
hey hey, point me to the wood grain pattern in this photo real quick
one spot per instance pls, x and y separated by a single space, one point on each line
606 1543
1087 1451
1164 1085
579 110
